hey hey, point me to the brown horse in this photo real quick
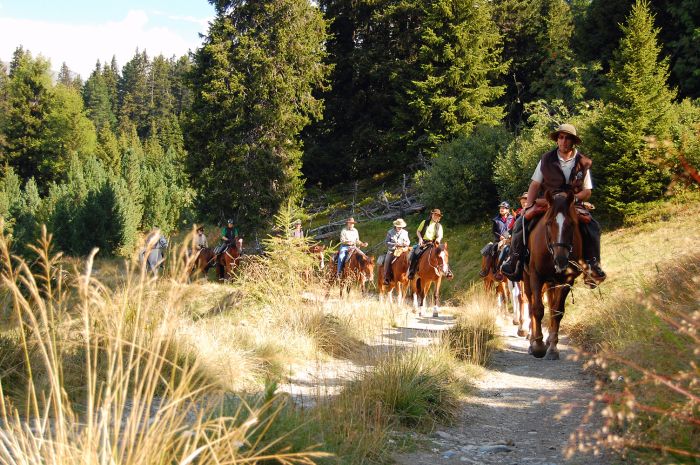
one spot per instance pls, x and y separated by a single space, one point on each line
555 261
491 283
227 261
433 265
358 268
399 271
202 262
318 251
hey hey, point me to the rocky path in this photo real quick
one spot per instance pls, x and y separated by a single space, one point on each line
513 415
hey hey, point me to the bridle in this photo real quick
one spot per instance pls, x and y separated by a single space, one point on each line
551 245
439 260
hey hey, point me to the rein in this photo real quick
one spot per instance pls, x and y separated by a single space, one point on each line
551 245
434 267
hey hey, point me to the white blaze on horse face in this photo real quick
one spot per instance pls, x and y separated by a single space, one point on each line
445 268
560 223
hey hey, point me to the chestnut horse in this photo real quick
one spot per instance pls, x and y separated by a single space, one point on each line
399 281
491 283
433 265
555 261
202 262
227 261
358 268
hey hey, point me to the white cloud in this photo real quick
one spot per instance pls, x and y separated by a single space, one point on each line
80 45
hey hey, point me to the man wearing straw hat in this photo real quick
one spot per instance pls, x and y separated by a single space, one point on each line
349 237
395 237
562 168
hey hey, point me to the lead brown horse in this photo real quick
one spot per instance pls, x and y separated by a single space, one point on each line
433 265
399 272
555 262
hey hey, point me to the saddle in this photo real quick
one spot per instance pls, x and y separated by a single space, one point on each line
541 206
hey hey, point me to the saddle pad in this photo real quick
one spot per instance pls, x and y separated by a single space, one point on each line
380 260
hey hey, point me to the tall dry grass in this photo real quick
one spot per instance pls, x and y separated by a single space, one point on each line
647 349
475 334
137 398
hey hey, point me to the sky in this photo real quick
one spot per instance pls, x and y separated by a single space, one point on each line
79 32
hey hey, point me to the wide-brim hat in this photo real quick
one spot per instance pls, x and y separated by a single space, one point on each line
399 223
350 220
436 211
523 195
566 128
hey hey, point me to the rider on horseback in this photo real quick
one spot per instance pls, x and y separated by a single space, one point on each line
562 168
501 226
395 237
228 237
429 233
349 237
200 241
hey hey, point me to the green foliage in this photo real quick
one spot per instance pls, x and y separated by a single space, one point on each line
97 100
459 179
255 76
640 106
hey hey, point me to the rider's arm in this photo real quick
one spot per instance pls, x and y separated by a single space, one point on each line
438 233
420 227
584 195
532 193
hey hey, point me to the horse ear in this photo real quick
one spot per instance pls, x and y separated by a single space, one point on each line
548 196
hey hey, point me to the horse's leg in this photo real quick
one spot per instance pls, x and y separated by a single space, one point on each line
537 347
436 297
515 298
556 313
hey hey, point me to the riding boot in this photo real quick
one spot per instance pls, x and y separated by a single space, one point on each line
412 266
512 266
387 268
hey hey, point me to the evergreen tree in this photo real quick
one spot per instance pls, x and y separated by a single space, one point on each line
162 103
68 78
111 76
640 106
27 228
180 90
254 79
108 151
135 93
97 100
30 99
448 77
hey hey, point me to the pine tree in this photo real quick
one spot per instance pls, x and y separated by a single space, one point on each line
162 103
450 67
111 76
180 90
135 93
68 78
255 76
97 100
640 106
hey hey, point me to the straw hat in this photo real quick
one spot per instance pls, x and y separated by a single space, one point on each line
296 222
436 211
351 220
399 223
566 129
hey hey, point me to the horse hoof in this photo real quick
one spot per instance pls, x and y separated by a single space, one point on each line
538 350
529 350
435 314
516 322
522 333
552 355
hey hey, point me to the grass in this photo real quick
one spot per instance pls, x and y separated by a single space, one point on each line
641 332
474 336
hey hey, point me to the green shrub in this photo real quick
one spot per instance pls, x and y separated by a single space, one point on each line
459 179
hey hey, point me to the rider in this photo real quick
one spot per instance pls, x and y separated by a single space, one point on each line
561 168
428 232
500 227
349 237
297 232
200 241
229 233
523 201
395 237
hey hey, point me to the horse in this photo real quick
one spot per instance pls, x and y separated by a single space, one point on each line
227 261
433 265
358 268
521 308
318 251
555 261
204 259
399 268
155 244
491 282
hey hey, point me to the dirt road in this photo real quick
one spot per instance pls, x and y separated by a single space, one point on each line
512 417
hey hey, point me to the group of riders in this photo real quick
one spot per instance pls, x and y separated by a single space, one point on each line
563 168
429 234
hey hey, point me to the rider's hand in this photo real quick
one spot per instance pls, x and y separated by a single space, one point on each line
420 242
364 244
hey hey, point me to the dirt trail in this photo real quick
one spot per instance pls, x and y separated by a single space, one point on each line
512 416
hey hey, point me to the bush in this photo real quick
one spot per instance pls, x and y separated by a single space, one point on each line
459 179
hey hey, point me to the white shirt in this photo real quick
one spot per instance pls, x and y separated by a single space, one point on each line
349 236
566 166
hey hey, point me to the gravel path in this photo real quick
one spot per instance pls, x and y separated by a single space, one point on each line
513 415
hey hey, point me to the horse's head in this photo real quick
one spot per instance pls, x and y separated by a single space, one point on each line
443 257
560 223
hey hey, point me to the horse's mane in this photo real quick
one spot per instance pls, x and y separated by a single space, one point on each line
361 259
560 197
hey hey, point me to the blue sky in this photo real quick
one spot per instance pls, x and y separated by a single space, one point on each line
81 31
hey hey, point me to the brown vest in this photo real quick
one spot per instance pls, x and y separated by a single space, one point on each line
553 176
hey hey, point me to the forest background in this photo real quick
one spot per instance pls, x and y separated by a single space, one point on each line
287 97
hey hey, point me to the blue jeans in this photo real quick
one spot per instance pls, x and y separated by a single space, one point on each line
342 254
